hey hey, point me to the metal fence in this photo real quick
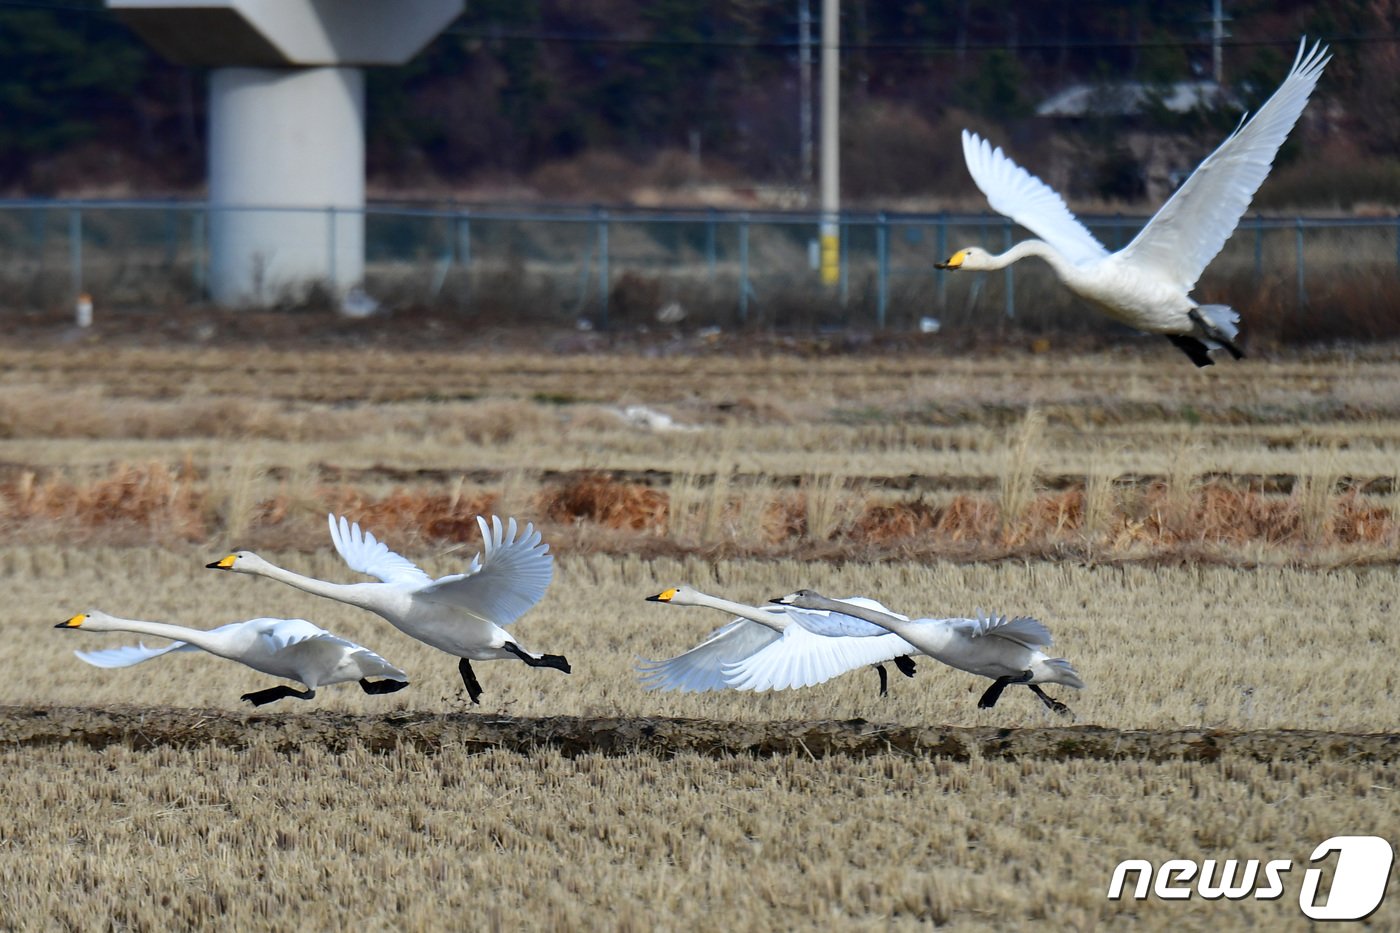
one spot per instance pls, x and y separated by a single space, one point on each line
615 267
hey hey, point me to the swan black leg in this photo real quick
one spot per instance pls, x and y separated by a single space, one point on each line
1049 701
464 668
905 665
556 661
382 686
1199 352
272 694
989 699
884 679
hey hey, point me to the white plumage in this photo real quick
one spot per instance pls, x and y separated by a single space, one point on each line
290 648
759 629
463 614
1007 650
1147 283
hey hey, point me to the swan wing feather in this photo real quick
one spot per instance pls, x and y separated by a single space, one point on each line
299 640
1190 229
1028 632
700 668
505 580
363 553
838 624
1016 193
127 655
801 658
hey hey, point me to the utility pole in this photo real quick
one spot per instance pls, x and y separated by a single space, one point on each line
1217 33
804 59
831 156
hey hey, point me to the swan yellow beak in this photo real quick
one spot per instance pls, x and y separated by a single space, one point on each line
74 622
955 261
225 563
663 597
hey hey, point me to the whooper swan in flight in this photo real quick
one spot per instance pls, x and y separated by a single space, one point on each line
1009 651
462 614
758 627
1147 283
290 648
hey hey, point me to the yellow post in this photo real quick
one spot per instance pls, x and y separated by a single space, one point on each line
831 257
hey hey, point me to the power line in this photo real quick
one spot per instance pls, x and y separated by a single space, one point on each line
896 45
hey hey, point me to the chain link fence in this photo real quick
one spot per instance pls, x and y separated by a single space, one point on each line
621 268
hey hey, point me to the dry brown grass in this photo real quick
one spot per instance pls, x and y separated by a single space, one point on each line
1218 518
260 839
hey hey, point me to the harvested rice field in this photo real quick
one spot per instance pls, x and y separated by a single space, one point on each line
1215 550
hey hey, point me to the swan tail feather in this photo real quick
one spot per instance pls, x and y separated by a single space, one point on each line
1063 672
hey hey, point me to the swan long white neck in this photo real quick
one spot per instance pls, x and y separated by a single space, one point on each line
1027 248
208 641
356 594
886 621
774 620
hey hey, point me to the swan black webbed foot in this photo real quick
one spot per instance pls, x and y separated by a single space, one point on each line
382 686
272 694
556 661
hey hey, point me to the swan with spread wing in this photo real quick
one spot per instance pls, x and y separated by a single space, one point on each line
1147 284
291 648
757 628
463 614
1006 650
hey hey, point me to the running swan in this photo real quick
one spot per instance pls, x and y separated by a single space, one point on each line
461 614
1009 651
756 628
290 648
1147 283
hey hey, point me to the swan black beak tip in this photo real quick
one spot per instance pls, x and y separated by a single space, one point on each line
654 599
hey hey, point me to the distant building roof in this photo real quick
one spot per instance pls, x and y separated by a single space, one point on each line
1127 98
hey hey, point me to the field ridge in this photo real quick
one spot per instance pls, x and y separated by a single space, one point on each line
152 727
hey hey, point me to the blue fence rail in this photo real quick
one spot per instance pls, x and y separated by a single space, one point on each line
597 264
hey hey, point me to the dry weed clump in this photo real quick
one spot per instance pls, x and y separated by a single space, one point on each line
149 497
1103 518
599 498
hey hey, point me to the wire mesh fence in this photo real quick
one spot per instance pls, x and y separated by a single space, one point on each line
610 268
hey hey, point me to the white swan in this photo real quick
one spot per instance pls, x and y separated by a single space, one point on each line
1147 283
290 648
461 614
757 627
1009 651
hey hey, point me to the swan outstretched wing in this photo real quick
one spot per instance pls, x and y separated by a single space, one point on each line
280 634
363 553
1016 193
506 579
801 658
127 655
700 668
837 624
303 640
1189 230
1025 631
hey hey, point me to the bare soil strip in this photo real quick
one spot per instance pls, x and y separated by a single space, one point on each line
143 728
